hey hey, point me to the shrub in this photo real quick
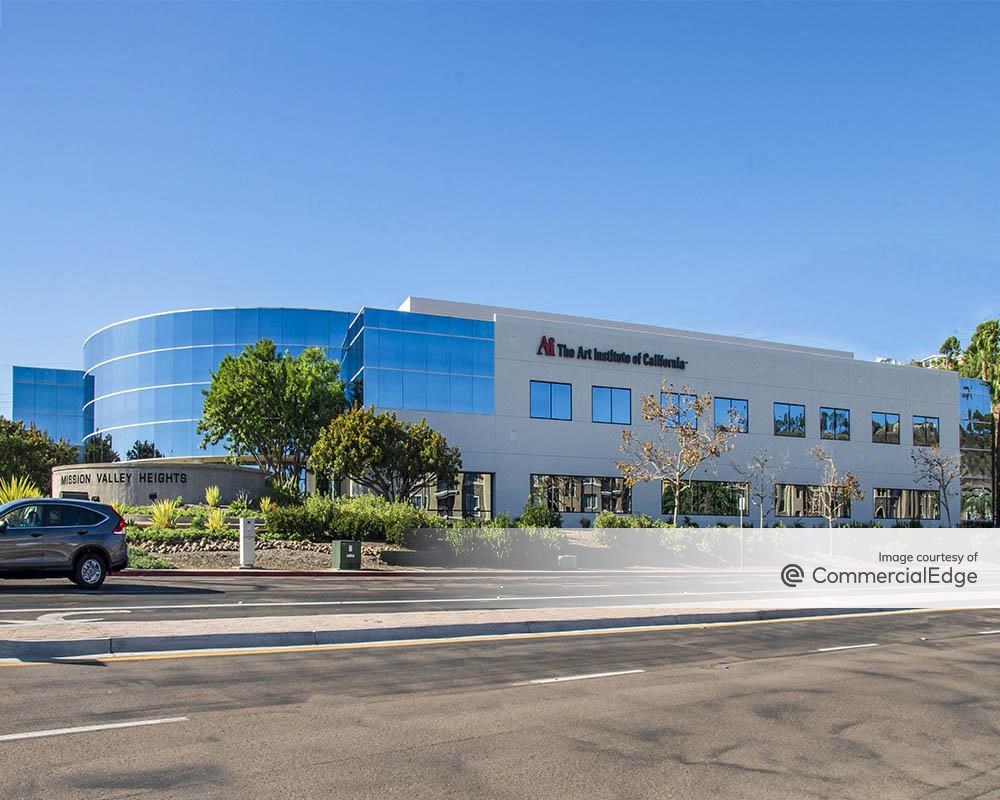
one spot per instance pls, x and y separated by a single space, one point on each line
241 505
17 488
140 559
216 520
526 547
366 518
165 513
536 515
213 496
266 505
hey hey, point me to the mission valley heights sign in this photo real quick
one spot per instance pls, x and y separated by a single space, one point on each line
550 347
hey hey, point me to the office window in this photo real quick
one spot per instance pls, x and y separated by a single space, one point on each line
469 496
732 414
906 504
885 428
707 499
609 404
797 500
681 409
583 494
834 423
789 420
551 400
926 431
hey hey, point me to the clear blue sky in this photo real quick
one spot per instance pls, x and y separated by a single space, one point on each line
822 174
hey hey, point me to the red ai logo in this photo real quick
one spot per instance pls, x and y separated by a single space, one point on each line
547 347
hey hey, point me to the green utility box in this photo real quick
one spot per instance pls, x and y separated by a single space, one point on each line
346 555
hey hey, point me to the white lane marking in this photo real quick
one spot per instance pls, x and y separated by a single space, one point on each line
987 633
414 601
567 678
10 737
58 617
845 647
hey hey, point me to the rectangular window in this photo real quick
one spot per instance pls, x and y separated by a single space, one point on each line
834 423
707 499
681 409
885 428
732 414
926 431
906 504
583 494
789 420
551 400
609 404
798 500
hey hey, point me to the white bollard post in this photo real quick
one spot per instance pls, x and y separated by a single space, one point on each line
247 531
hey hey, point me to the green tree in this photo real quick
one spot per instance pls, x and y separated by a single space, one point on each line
142 449
98 450
951 349
27 452
392 458
270 407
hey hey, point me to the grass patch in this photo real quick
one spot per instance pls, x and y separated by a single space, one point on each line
140 559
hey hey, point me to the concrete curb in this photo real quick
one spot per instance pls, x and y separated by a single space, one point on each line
105 646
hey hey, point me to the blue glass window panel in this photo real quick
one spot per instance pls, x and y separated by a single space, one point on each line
202 362
147 409
482 395
438 354
163 404
562 401
461 327
24 400
390 320
146 365
163 437
293 326
183 443
414 322
390 350
600 401
125 338
338 329
130 407
482 329
183 330
269 324
67 428
163 331
541 400
46 398
390 388
181 402
202 327
371 317
414 351
415 390
438 391
461 356
223 326
318 327
370 386
482 357
69 398
621 406
437 324
461 394
147 334
181 367
92 351
247 327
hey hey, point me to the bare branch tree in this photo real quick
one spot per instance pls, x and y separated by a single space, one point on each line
761 473
836 489
681 441
932 467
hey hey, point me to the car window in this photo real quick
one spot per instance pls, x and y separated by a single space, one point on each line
57 515
25 517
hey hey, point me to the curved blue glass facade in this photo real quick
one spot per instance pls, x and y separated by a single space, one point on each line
148 373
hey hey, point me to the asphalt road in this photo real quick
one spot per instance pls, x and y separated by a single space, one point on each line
154 598
768 710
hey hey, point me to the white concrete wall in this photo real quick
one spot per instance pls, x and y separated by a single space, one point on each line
514 446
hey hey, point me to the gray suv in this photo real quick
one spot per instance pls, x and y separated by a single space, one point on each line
75 539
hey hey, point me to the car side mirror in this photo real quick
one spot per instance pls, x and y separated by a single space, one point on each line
3 525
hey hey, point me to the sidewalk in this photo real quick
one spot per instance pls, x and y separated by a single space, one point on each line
66 639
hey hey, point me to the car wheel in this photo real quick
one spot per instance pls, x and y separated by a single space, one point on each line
90 571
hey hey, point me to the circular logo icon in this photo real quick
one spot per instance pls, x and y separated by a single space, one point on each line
792 575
